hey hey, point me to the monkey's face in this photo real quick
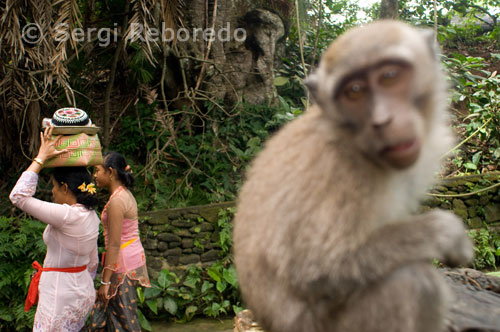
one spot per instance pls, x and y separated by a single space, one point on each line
378 90
377 107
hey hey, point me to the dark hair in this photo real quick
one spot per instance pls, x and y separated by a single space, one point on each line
117 161
74 177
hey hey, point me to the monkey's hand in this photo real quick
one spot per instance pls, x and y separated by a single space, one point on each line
453 244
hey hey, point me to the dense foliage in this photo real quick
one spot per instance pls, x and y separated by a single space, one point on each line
20 244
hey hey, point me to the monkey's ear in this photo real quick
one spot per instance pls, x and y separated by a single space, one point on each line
430 38
311 83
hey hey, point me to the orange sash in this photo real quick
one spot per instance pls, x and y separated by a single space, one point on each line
32 296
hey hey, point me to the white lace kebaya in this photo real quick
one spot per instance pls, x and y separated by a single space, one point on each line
65 299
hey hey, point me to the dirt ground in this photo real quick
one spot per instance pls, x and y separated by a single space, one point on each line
196 325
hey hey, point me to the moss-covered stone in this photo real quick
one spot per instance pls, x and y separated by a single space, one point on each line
471 202
460 209
475 222
492 212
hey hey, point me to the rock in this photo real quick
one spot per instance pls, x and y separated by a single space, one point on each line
203 227
460 209
189 259
432 202
475 222
154 262
162 246
472 202
150 244
183 233
187 251
209 256
174 244
173 260
210 214
182 223
492 212
187 243
168 237
154 253
439 189
173 252
483 200
161 228
472 211
203 235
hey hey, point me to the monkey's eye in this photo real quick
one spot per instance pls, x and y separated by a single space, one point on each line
355 90
390 76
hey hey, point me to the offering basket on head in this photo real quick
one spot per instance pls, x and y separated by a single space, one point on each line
79 137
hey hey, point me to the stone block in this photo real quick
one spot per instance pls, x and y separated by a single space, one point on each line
154 253
174 244
183 232
472 202
475 222
168 237
460 209
203 227
150 244
472 211
197 250
483 200
173 252
187 251
189 259
182 223
154 262
210 214
492 212
187 243
203 235
173 260
162 246
209 256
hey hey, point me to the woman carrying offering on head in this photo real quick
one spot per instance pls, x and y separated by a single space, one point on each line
64 286
124 264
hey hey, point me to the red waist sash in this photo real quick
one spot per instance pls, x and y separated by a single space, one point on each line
32 296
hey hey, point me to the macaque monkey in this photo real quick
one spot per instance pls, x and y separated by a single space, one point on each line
326 234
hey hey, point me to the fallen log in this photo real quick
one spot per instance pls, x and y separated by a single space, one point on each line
476 304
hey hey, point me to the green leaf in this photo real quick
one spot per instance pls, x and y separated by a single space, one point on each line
170 305
214 273
206 286
190 311
152 304
221 286
496 153
143 321
280 80
163 279
190 281
151 292
230 276
140 295
470 166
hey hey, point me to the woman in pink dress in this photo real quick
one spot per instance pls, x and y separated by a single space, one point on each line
124 265
65 288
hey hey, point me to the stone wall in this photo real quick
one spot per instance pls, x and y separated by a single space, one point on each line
477 210
178 237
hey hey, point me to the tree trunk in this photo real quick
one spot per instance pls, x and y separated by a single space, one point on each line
388 9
